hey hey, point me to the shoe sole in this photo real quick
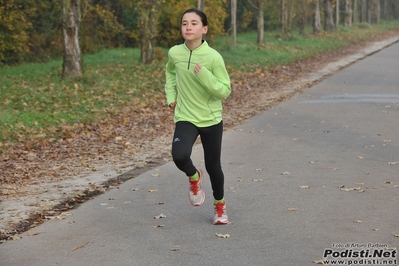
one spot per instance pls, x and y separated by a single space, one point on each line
218 222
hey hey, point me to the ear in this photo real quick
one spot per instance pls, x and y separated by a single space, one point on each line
205 30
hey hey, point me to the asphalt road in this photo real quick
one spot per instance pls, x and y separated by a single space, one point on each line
317 175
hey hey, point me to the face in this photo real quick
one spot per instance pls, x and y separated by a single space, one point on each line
192 27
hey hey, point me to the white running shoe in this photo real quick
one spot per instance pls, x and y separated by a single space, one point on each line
196 194
220 213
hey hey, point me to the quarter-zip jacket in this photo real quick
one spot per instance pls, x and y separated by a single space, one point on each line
198 96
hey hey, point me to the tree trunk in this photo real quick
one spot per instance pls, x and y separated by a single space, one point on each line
149 13
375 11
329 21
337 12
304 16
317 18
369 12
261 23
234 21
290 14
355 11
348 13
284 18
72 64
363 7
201 4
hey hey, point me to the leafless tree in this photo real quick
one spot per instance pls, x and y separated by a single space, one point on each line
201 4
317 18
348 13
328 13
149 14
234 21
71 17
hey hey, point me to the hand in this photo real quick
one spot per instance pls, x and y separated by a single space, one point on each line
172 105
197 69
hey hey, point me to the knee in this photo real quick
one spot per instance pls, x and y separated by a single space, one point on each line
180 158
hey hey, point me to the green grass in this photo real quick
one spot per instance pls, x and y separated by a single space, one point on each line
36 104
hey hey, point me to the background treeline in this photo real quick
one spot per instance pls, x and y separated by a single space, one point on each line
31 30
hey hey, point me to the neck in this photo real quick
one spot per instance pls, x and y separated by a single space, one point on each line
193 44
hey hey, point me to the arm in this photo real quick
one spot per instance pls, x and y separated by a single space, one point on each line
216 83
170 85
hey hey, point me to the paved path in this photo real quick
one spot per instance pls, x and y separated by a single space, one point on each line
308 176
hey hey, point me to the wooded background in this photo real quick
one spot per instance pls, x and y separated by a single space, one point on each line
38 30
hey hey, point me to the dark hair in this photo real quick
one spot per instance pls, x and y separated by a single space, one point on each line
199 12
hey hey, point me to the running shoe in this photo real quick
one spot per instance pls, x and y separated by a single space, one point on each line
220 213
196 194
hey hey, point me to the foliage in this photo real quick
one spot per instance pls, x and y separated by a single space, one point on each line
36 106
30 30
170 24
14 28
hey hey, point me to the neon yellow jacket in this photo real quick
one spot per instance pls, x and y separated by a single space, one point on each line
198 97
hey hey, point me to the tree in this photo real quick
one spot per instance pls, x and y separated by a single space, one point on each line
328 16
303 17
375 11
71 18
317 18
355 11
337 11
261 23
149 14
201 4
348 13
234 21
284 18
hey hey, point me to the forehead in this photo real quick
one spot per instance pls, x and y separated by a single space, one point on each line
191 17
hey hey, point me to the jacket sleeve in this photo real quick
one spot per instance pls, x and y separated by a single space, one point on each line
170 85
217 81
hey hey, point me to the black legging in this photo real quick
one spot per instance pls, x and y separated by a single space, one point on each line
211 137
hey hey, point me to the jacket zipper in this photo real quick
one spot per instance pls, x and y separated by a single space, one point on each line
189 59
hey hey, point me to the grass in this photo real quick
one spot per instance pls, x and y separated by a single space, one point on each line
36 104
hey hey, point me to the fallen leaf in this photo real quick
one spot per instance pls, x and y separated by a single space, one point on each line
319 261
396 235
360 157
160 203
393 163
156 175
134 189
259 169
78 247
222 235
304 186
152 190
285 173
350 188
33 234
158 226
291 209
175 249
357 221
160 216
388 182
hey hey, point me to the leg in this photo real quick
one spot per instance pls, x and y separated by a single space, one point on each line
183 141
211 138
